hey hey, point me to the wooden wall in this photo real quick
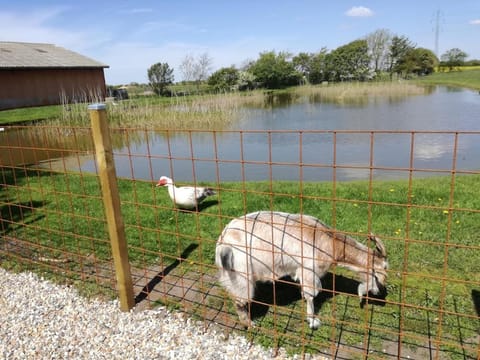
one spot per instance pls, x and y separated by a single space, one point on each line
36 87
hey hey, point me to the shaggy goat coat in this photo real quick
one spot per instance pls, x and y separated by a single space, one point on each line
266 245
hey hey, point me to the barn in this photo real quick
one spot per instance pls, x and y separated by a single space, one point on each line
36 74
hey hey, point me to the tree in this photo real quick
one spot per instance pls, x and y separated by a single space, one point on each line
399 47
224 79
246 81
275 71
378 46
349 62
203 68
417 61
317 67
196 69
453 57
160 75
426 61
187 67
303 64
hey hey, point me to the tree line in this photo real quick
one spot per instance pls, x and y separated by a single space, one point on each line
379 55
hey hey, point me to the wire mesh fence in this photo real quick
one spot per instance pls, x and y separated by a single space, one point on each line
417 191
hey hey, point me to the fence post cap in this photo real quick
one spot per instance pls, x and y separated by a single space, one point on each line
98 106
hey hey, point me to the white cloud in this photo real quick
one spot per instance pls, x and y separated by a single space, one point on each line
475 22
34 26
359 11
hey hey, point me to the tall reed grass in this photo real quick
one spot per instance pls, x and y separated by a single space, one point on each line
219 111
199 112
359 92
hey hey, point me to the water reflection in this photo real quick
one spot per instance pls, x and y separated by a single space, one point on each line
32 145
434 146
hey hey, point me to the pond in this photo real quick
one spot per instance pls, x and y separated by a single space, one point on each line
313 141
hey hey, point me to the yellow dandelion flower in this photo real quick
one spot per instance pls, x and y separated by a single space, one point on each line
392 190
445 211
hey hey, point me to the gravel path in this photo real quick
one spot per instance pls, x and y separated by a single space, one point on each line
41 320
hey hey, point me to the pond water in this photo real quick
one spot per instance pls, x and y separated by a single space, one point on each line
318 141
424 134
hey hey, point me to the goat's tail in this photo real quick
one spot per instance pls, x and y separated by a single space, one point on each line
224 257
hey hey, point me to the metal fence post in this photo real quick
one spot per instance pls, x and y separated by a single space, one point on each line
111 201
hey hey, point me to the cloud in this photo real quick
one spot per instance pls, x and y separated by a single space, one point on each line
137 11
359 11
36 26
475 22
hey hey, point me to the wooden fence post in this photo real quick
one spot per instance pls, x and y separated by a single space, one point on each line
111 202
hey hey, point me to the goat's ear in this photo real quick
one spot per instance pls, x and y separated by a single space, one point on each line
379 246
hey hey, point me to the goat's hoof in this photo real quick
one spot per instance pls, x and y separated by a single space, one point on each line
314 324
248 324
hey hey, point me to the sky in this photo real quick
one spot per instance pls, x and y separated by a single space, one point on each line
130 36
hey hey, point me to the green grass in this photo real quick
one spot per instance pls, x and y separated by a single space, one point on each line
30 114
463 78
431 236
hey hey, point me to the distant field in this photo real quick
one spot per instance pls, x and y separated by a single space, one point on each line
468 77
462 68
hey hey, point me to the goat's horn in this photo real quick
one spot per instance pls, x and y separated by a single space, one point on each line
379 246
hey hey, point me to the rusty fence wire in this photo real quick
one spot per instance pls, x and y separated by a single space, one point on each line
416 190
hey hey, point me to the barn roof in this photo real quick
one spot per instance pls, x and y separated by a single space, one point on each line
35 55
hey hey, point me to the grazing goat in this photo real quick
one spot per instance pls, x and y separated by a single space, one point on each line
266 245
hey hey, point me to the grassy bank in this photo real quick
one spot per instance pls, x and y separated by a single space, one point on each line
194 112
30 114
430 232
463 78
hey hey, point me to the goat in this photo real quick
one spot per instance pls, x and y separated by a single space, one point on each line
268 245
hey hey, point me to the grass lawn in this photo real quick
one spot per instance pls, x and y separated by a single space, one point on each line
431 234
30 114
462 78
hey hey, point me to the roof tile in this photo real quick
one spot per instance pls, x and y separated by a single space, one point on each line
37 55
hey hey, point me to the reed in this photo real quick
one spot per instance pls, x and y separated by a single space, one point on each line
205 112
220 111
359 93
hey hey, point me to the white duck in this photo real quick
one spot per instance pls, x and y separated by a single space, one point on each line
185 197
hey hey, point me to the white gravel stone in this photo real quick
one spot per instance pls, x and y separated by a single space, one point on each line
41 320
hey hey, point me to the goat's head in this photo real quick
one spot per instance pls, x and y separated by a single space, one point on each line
380 263
377 276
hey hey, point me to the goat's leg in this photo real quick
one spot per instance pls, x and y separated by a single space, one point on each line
313 321
311 286
243 311
242 289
